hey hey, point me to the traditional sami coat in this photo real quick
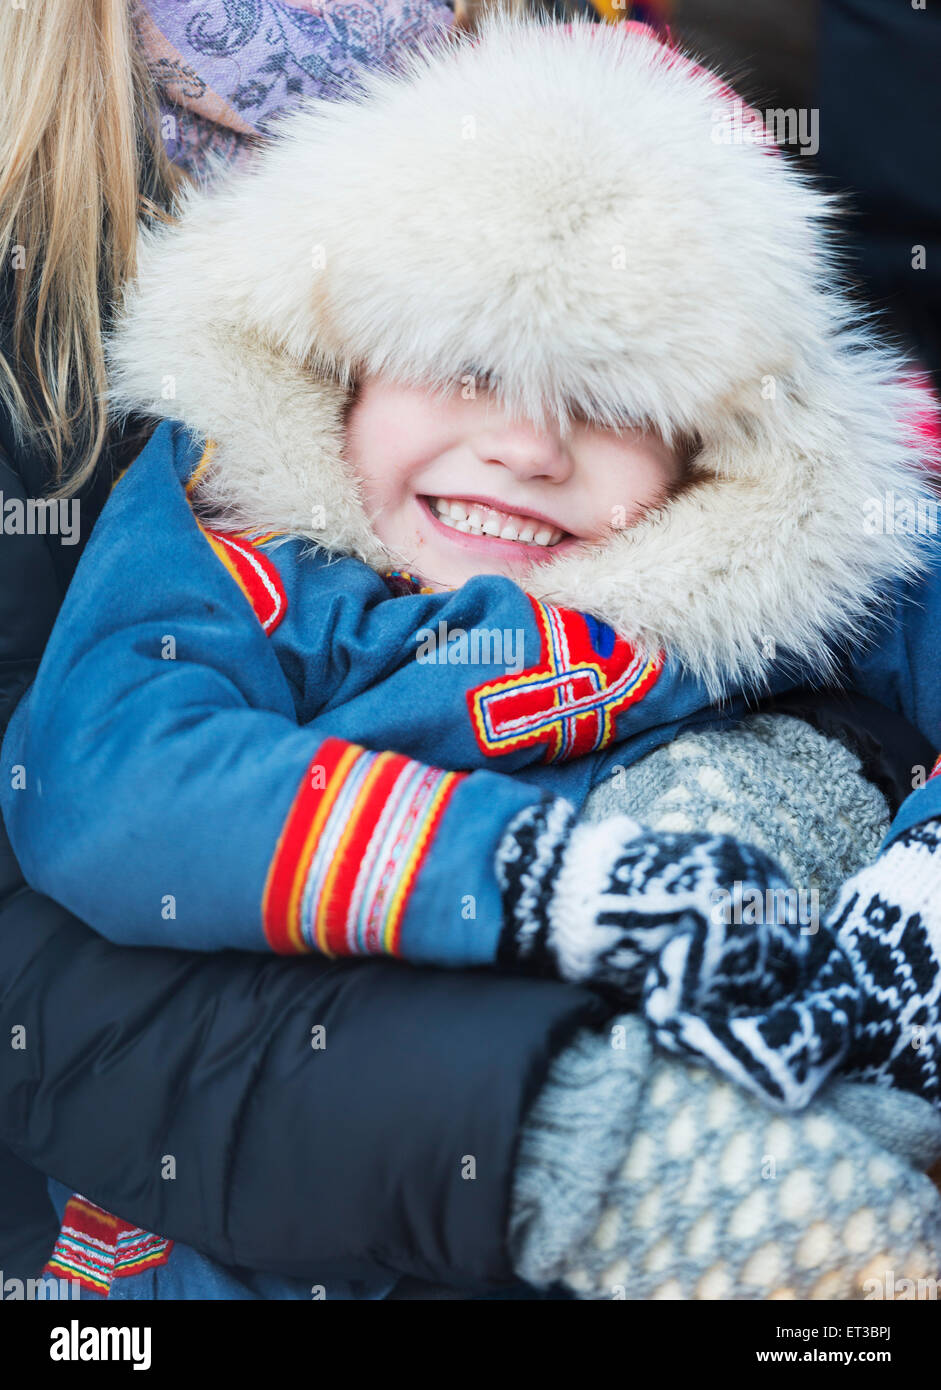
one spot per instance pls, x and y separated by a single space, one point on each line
241 741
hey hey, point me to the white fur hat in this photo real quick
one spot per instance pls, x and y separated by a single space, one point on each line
551 204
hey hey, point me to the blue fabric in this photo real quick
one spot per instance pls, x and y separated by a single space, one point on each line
899 663
923 804
171 779
900 667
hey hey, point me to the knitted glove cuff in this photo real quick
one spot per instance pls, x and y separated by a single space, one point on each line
563 898
528 863
574 1139
888 923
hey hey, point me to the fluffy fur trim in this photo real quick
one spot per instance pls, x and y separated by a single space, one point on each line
550 205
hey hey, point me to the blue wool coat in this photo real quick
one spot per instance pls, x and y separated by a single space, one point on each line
256 744
210 734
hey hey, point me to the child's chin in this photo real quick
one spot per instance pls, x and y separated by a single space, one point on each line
458 571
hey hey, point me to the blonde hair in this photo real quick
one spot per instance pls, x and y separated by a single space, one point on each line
81 159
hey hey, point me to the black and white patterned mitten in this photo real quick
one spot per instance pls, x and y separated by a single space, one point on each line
656 920
660 921
596 903
865 994
887 921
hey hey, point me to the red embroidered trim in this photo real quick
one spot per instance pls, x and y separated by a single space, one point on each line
254 573
95 1248
570 700
351 849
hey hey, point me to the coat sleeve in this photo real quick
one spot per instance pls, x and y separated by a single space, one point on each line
289 1159
157 784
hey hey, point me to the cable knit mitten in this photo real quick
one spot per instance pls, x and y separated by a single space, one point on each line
662 922
640 1177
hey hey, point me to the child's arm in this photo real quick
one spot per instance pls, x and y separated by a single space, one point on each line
159 784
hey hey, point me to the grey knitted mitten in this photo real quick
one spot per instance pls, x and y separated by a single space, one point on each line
641 1177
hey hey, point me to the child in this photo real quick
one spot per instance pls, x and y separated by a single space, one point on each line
568 324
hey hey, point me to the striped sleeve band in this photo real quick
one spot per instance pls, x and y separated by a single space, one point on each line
355 839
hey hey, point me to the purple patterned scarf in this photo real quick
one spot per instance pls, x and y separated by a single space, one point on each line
227 67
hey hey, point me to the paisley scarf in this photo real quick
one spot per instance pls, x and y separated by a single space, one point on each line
227 68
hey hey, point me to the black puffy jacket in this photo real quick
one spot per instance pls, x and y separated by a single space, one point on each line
287 1159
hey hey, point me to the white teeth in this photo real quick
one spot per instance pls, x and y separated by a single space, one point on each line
475 520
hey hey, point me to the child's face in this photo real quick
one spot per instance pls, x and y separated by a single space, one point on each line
464 489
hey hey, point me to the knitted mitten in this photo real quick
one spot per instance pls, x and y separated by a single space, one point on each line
640 1177
596 902
888 923
874 1006
656 919
778 783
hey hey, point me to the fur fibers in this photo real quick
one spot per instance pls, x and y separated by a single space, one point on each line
548 205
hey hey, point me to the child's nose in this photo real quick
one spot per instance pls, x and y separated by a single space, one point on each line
527 453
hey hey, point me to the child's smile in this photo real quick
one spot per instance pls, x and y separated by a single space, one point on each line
455 487
485 526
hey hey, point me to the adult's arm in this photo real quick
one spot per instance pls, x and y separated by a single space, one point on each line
293 1116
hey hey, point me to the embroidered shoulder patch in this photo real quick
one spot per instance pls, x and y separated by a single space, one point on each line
586 675
256 575
95 1248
